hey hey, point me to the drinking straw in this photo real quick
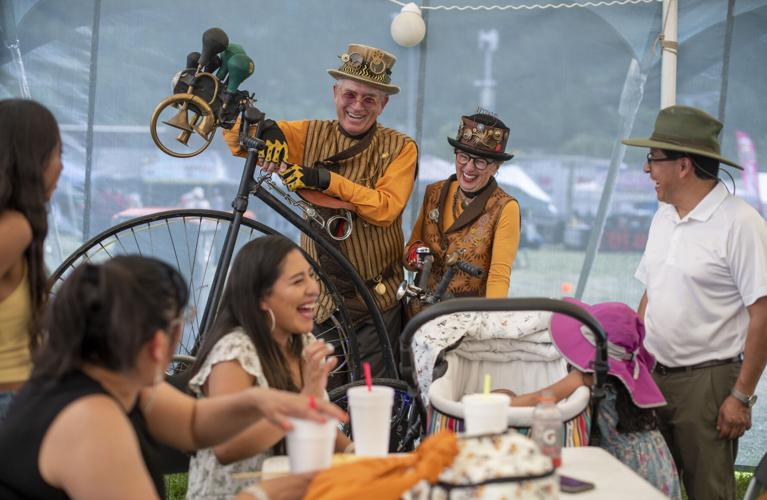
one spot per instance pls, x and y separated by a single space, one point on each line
368 377
487 384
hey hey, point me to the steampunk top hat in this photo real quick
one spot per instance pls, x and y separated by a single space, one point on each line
482 134
367 65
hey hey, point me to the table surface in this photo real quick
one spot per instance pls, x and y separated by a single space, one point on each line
611 477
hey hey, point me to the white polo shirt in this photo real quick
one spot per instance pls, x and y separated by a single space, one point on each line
700 273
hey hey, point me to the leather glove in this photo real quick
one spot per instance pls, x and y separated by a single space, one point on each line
297 177
276 148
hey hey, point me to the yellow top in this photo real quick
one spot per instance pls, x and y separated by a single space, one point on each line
15 317
380 205
505 242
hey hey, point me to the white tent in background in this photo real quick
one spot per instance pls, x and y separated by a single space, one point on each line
432 169
513 175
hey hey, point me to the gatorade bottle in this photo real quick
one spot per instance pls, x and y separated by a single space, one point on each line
547 430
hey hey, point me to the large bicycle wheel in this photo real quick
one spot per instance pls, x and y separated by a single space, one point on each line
408 419
192 240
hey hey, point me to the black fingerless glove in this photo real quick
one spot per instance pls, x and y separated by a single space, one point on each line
297 177
276 146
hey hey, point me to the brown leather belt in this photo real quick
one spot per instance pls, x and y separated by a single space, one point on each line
665 370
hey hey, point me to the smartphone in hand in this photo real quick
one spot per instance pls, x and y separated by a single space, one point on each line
569 484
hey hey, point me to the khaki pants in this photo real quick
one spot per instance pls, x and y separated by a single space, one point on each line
688 423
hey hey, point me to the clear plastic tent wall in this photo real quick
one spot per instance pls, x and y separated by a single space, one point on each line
569 82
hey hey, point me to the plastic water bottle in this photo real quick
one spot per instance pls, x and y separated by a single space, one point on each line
547 430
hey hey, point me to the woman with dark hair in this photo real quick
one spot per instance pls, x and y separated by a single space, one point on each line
260 339
109 334
626 416
468 216
30 165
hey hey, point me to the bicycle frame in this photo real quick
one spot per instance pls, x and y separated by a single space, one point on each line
248 186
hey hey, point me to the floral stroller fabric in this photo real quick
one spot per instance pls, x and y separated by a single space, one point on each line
452 354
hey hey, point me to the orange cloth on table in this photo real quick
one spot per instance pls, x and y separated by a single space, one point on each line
383 478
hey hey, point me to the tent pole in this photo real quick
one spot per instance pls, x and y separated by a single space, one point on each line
631 98
668 54
91 117
726 59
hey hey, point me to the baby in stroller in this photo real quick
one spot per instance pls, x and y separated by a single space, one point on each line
625 417
453 353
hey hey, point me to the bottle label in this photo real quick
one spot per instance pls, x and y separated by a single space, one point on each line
549 437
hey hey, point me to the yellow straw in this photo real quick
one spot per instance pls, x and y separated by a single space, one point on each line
487 384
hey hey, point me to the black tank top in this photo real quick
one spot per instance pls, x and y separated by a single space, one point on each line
21 434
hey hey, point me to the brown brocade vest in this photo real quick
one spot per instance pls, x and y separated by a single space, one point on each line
471 235
374 251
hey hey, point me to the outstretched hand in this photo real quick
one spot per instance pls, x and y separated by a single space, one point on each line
509 393
277 406
288 487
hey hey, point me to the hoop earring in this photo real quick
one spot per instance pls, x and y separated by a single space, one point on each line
274 321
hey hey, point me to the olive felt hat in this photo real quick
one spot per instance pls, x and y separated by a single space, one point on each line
687 130
367 65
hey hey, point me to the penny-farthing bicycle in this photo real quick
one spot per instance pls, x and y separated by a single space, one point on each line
201 243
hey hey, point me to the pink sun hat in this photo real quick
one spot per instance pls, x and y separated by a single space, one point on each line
626 355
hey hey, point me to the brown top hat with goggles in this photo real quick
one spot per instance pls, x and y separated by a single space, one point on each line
482 134
367 65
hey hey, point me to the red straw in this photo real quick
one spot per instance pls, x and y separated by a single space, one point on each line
368 377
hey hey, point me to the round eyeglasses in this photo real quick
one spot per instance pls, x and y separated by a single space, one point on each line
479 163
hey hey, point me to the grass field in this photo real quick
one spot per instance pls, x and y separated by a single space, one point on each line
554 272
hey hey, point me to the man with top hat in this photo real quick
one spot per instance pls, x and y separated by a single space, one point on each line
468 216
705 302
352 163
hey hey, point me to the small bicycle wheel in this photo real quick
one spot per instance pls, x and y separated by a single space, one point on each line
192 240
408 417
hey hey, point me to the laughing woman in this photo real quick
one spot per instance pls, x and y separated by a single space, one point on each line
469 216
258 339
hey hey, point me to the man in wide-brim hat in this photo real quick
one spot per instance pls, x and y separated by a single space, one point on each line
705 301
352 163
468 215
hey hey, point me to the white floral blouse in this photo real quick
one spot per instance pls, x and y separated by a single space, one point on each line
208 478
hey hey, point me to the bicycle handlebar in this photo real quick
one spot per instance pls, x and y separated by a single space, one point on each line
251 142
423 279
470 269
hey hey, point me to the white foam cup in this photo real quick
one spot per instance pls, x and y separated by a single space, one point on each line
371 419
311 444
485 413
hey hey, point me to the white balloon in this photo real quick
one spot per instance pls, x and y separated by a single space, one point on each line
408 27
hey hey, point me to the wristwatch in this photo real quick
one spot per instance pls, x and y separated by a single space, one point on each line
749 401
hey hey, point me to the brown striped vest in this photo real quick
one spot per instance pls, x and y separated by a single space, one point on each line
374 251
471 235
